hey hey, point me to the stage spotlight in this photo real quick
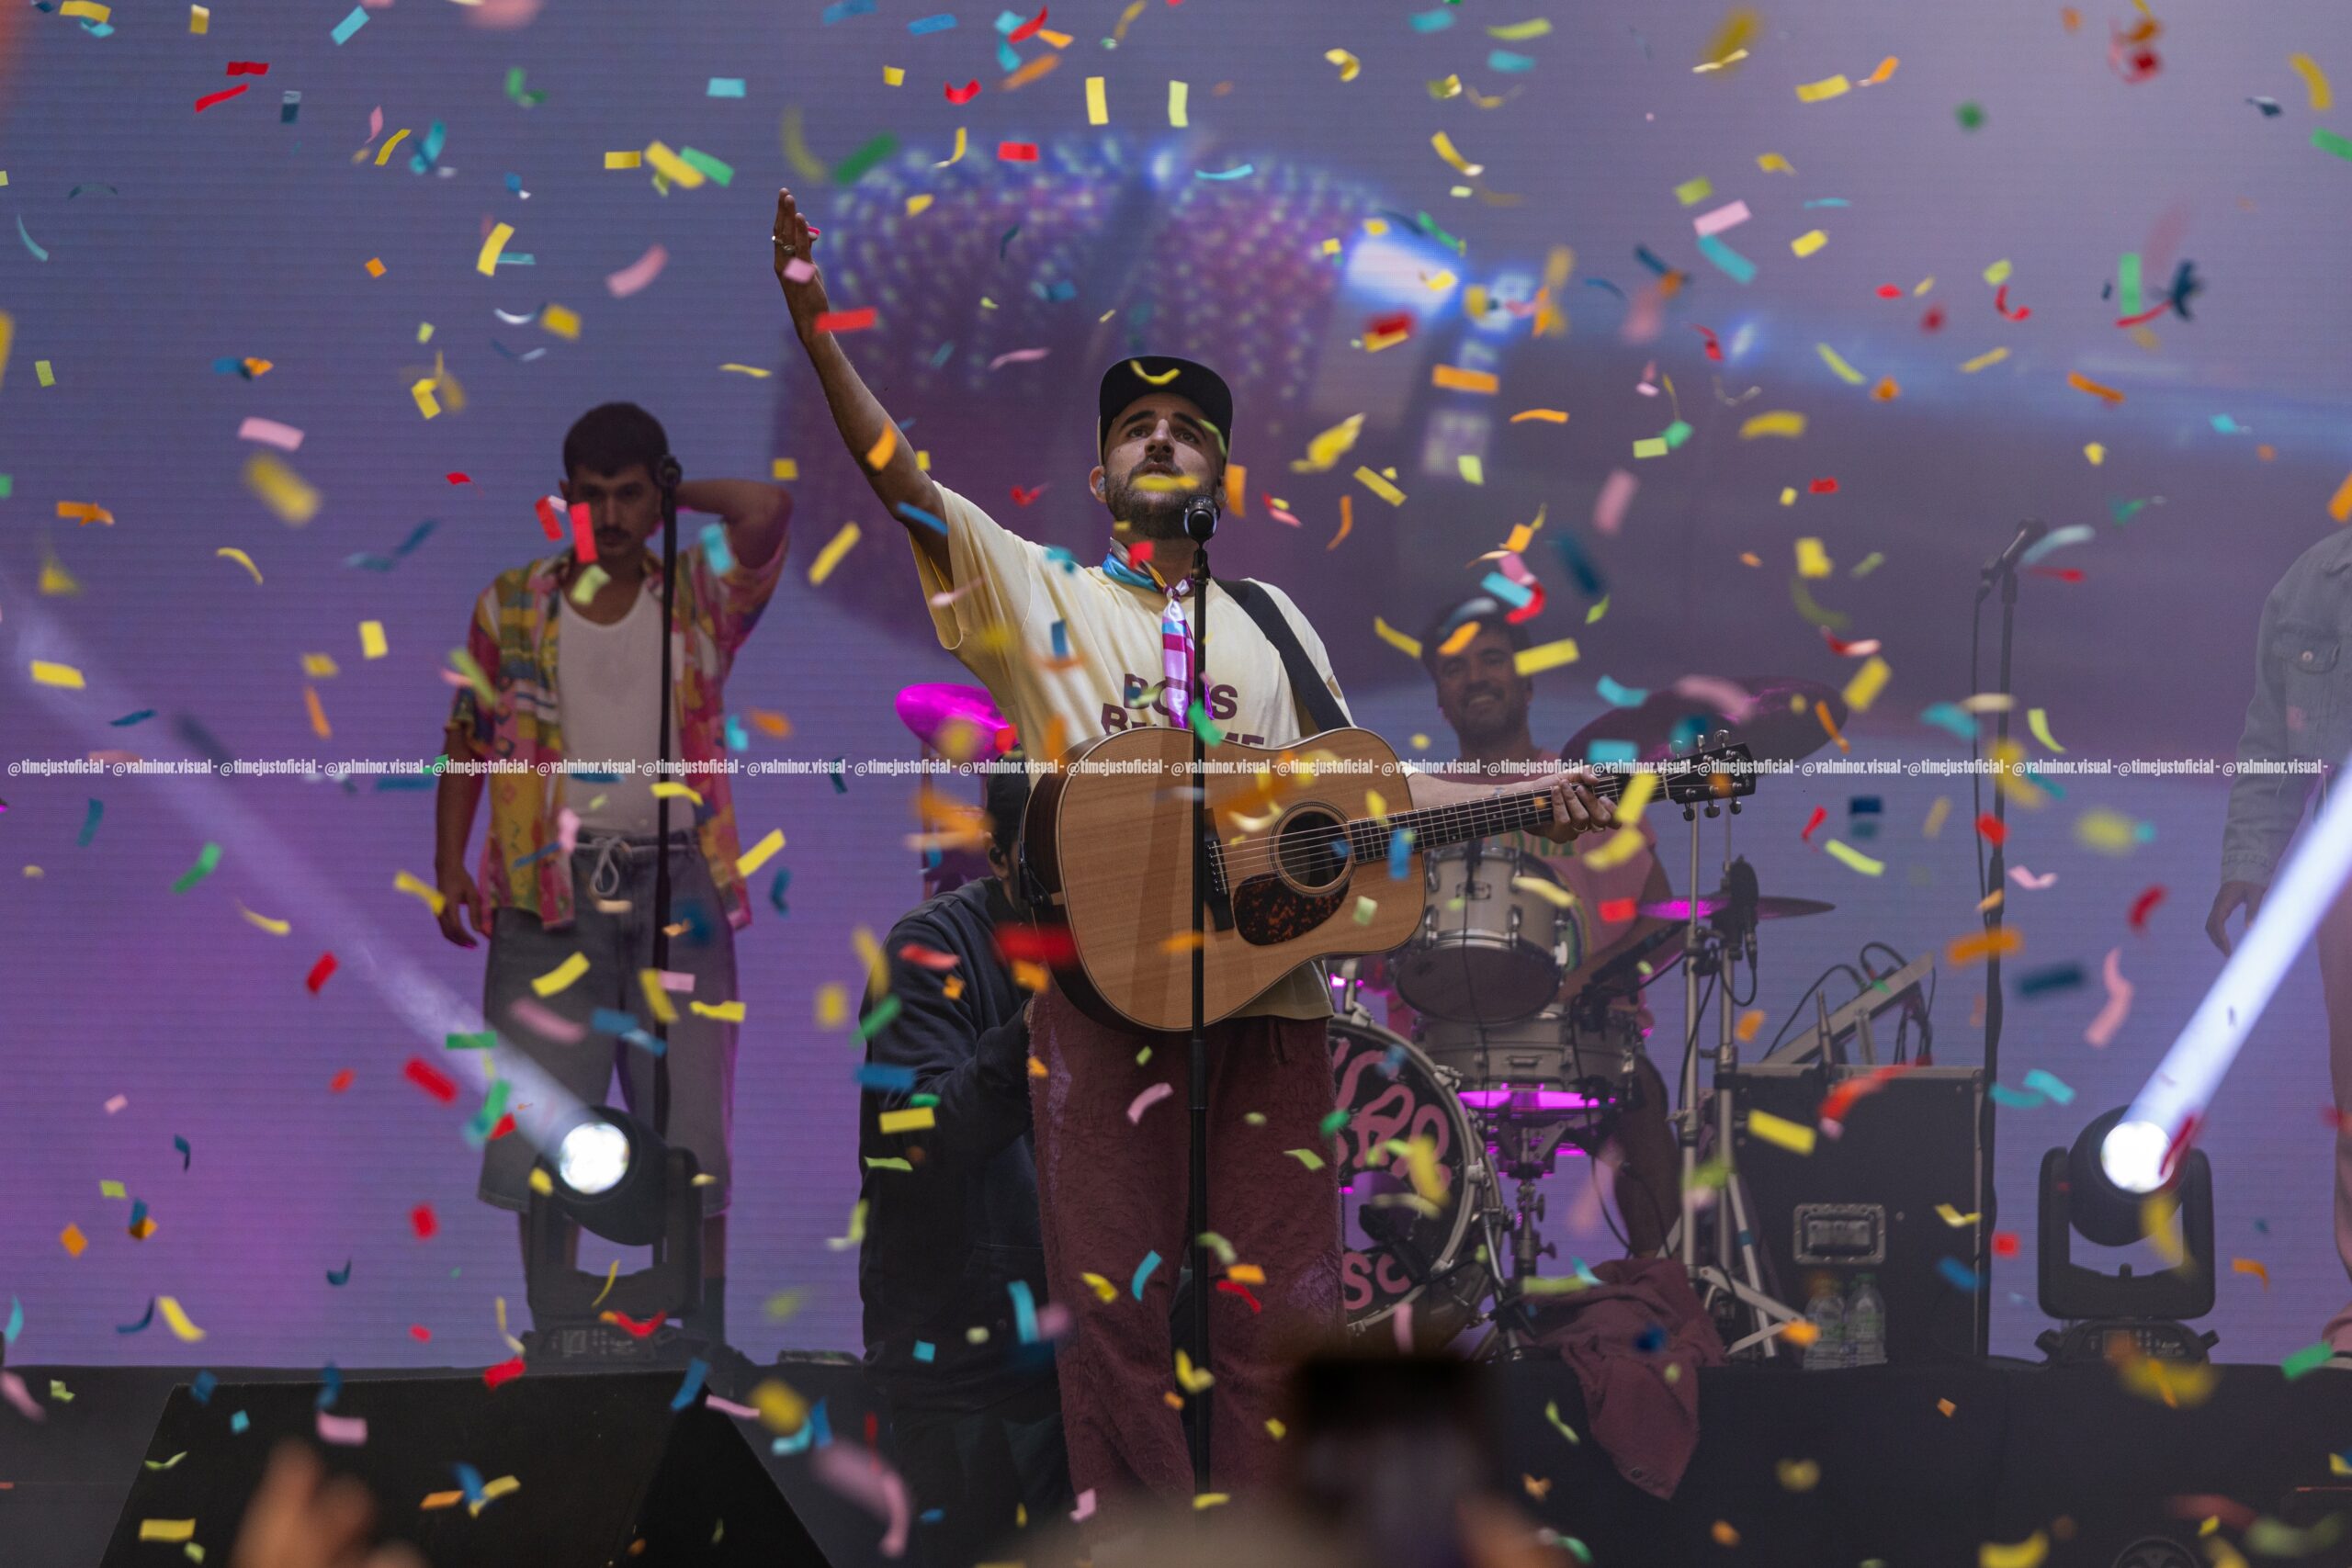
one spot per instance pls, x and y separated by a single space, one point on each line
607 1172
593 1158
2108 1189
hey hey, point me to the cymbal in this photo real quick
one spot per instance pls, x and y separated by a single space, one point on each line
1779 724
1768 907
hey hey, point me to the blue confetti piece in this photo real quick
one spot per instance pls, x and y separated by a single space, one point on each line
738 737
884 1078
290 107
2057 539
1589 583
839 775
513 184
1652 260
424 157
1505 61
1142 1271
726 87
1829 201
925 1351
1730 262
187 1154
1957 1275
200 1387
90 820
341 1276
15 1321
1650 1340
1392 1061
1240 172
1604 283
1024 1310
939 356
1949 716
1864 806
776 890
714 550
1515 594
842 10
534 857
913 514
1400 853
1008 21
938 24
1610 751
240 1421
329 1386
39 254
1061 647
141 1325
2056 977
469 1482
932 1516
1432 21
350 25
2052 1085
2014 1099
138 1212
518 358
141 717
1006 59
1620 696
697 1370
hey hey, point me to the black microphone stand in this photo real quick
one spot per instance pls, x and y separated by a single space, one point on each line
670 476
1198 1203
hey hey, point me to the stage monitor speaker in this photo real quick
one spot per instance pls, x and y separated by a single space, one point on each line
602 1463
1865 1201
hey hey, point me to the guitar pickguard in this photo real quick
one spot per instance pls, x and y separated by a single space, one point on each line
1268 910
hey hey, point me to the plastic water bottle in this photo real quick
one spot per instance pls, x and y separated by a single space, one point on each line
1826 1312
1865 1323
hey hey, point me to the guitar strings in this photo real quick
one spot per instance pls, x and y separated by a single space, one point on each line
1489 814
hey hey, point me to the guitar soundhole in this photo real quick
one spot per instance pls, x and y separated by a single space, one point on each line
1311 849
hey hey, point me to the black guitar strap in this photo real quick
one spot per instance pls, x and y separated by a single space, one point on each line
1316 703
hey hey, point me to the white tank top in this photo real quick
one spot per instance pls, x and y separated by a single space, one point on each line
608 679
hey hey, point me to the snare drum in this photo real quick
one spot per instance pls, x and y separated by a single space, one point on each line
1488 950
1548 1067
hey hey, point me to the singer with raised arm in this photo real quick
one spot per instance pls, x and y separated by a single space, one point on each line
1072 653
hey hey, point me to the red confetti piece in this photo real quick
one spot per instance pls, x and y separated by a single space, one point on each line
1529 611
1820 815
2332 1117
224 95
340 1081
505 1126
1024 497
422 1221
550 518
2005 1244
1028 30
1995 832
1399 323
432 1081
583 534
1841 1098
461 479
846 320
928 957
421 1333
1036 944
319 973
506 1371
1889 291
1017 152
1933 321
635 1329
247 68
1715 349
2143 905
1823 486
1235 1288
2001 303
963 94
2063 573
1613 910
2143 317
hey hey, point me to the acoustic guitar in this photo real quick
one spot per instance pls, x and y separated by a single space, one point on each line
1300 860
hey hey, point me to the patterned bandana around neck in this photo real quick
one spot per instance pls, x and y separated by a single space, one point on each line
1175 631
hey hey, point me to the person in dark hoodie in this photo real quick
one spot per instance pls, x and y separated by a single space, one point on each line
953 1271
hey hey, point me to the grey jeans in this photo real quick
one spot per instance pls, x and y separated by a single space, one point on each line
612 928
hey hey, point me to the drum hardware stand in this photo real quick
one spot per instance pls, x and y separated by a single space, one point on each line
1734 1281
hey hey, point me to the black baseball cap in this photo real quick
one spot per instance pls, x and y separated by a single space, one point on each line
1132 378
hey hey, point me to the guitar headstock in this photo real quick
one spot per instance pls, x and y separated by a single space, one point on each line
1714 769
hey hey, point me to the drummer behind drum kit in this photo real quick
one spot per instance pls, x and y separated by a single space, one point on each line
1502 1075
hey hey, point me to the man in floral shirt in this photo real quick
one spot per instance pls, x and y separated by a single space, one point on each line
566 661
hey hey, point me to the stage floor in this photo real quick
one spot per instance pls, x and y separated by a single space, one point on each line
2069 1453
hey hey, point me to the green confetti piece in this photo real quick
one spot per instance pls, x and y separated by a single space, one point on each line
847 170
922 1101
487 1040
872 1164
2328 141
1334 1123
1551 1414
165 1463
2126 283
1677 433
2309 1358
1203 724
1307 1158
493 1108
874 1022
1971 115
719 173
112 1189
206 859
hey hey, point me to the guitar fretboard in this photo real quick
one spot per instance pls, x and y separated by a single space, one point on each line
1433 827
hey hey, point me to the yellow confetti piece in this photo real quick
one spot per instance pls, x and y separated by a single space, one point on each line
427 403
417 887
1823 90
371 639
1953 1217
724 1013
1868 683
199 20
671 167
1990 356
657 1000
1179 97
562 976
2005 941
1442 280
561 320
1793 1137
1998 273
1379 486
780 1406
2248 1265
1810 559
1885 69
282 489
375 266
894 75
230 552
1854 857
1031 976
43 374
1455 378
1689 193
1453 155
2314 81
1798 1474
624 160
1779 422
877 456
760 853
1549 891
384 154
918 1120
2083 383
275 928
832 1007
1194 1379
1749 1022
178 1320
830 556
1472 468
1211 1499
1800 1333
670 789
955 157
486 261
1836 362
1410 646
1788 495
1545 655
1804 244
64 676
2026 1553
2339 506
1619 848
1772 163
167 1530
1350 66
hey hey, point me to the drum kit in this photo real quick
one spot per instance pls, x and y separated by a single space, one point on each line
1504 1073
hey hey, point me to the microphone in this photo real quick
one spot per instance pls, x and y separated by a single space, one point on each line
1200 519
2029 531
667 473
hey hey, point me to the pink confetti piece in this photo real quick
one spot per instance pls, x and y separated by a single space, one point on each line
1721 219
1147 1099
1616 495
13 1388
1729 699
1085 1509
729 1407
566 829
117 1103
542 1019
285 437
2025 878
638 274
347 1431
1404 1322
799 269
2118 1001
1018 356
865 1480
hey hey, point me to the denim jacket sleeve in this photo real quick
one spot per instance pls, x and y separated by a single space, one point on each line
2265 808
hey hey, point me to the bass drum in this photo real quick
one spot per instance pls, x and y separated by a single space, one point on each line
1406 1253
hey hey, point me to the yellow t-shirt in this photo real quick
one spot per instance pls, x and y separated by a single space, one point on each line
1108 671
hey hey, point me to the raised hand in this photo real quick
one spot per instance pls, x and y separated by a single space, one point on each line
796 265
